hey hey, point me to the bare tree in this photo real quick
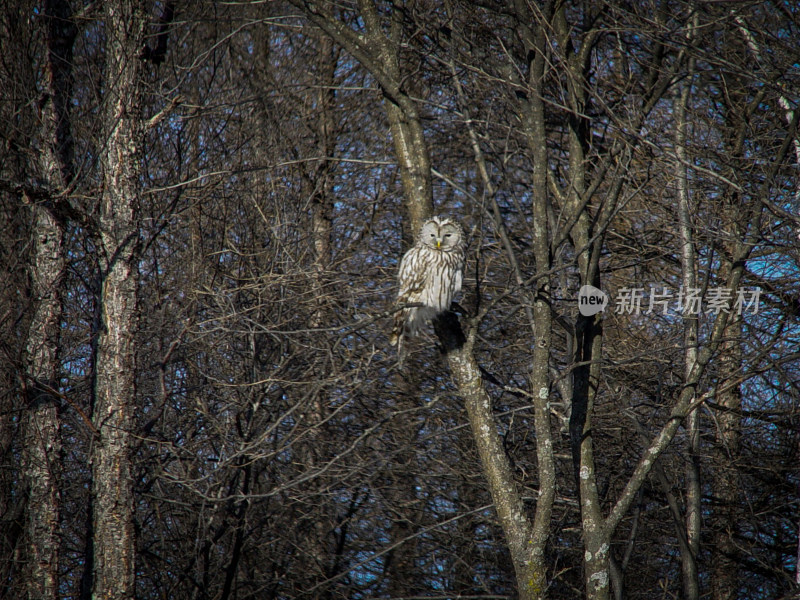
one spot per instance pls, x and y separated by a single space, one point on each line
379 52
118 242
42 441
198 383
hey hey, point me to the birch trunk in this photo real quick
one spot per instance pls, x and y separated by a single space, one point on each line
505 495
693 523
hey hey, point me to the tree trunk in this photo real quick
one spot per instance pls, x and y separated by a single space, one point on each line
408 136
378 53
725 505
116 365
40 425
693 522
533 119
725 475
532 572
505 495
587 237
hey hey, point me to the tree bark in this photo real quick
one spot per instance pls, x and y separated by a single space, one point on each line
505 495
408 136
693 522
115 382
40 423
725 475
587 238
532 116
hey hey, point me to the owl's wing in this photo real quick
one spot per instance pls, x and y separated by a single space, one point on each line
458 277
411 276
411 281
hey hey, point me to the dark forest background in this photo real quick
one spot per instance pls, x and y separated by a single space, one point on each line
204 205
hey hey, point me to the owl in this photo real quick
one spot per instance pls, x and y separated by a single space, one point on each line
430 274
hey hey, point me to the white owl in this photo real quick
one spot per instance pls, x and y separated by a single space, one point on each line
430 274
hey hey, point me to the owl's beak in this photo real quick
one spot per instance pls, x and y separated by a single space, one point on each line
438 244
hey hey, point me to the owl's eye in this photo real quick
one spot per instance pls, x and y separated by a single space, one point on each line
448 235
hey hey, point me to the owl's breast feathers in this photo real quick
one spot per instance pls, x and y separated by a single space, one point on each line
430 273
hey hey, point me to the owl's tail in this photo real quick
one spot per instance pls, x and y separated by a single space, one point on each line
397 330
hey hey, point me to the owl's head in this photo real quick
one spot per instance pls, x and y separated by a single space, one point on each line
442 233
